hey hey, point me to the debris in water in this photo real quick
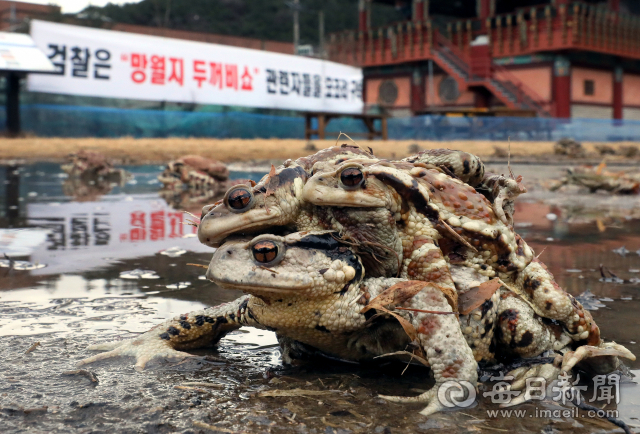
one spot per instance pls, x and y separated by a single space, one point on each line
622 251
523 224
179 285
90 375
589 301
173 252
20 265
139 274
32 347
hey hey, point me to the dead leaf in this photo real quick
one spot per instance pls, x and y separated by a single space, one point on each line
601 226
408 328
403 291
295 392
476 296
396 294
271 186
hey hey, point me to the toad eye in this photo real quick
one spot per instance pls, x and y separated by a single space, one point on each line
352 177
265 251
239 199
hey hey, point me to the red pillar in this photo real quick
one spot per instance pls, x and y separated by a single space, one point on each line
614 5
483 8
417 92
617 93
418 10
363 12
562 87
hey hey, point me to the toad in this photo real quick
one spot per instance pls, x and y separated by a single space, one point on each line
434 208
311 289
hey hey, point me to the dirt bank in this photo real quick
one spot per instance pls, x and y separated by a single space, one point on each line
130 150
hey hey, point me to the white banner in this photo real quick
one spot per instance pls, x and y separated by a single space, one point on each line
106 63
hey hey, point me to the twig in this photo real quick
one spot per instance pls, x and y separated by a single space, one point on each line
199 265
408 363
262 267
437 312
32 347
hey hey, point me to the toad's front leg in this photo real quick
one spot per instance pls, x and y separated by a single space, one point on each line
193 330
446 349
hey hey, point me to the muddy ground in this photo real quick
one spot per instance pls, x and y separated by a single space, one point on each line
130 150
85 294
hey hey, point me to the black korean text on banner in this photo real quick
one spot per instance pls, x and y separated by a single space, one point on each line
124 65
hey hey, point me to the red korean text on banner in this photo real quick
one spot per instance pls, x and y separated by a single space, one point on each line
231 76
175 223
156 231
138 226
247 79
177 71
199 71
158 66
216 74
139 64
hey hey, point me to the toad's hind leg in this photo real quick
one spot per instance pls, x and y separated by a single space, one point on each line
426 262
538 286
446 350
193 330
521 333
478 328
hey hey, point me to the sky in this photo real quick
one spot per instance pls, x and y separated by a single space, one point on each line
72 6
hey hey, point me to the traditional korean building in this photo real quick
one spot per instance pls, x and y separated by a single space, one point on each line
553 58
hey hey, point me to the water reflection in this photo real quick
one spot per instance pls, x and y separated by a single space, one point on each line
130 220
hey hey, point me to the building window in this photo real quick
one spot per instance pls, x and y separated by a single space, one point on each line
589 87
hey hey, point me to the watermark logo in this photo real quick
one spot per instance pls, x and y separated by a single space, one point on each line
462 394
456 394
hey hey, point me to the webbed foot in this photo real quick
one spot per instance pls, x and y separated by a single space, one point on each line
430 397
543 373
144 348
603 358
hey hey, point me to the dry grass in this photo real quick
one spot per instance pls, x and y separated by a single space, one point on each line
128 149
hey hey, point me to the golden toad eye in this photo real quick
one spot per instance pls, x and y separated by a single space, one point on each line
265 251
239 199
352 177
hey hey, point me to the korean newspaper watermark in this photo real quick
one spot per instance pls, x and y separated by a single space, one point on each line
606 390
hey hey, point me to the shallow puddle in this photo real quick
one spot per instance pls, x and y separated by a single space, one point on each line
110 266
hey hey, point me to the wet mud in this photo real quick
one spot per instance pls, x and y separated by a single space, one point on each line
113 267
